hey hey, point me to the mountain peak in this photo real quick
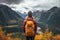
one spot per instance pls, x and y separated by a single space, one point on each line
4 6
53 9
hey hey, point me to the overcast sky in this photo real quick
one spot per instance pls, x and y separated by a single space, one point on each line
26 5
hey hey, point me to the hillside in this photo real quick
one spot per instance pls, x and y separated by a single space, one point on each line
52 18
10 20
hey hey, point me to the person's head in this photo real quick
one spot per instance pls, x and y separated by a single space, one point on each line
29 14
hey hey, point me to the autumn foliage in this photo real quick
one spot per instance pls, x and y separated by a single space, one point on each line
2 35
47 35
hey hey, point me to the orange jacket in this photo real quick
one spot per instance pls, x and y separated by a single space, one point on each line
29 18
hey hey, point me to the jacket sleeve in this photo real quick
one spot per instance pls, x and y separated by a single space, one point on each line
24 26
35 26
24 23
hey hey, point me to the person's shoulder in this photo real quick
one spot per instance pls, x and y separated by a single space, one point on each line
26 17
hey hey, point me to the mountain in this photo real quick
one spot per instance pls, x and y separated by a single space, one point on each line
23 15
10 19
52 18
36 14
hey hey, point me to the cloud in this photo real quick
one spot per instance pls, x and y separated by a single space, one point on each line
26 5
40 4
11 1
46 4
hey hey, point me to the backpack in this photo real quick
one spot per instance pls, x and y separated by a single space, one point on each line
29 28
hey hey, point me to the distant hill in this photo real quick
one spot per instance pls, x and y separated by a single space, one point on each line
36 14
23 15
8 17
52 18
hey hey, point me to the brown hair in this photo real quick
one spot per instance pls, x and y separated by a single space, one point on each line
29 14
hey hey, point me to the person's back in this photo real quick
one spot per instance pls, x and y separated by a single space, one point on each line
29 27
